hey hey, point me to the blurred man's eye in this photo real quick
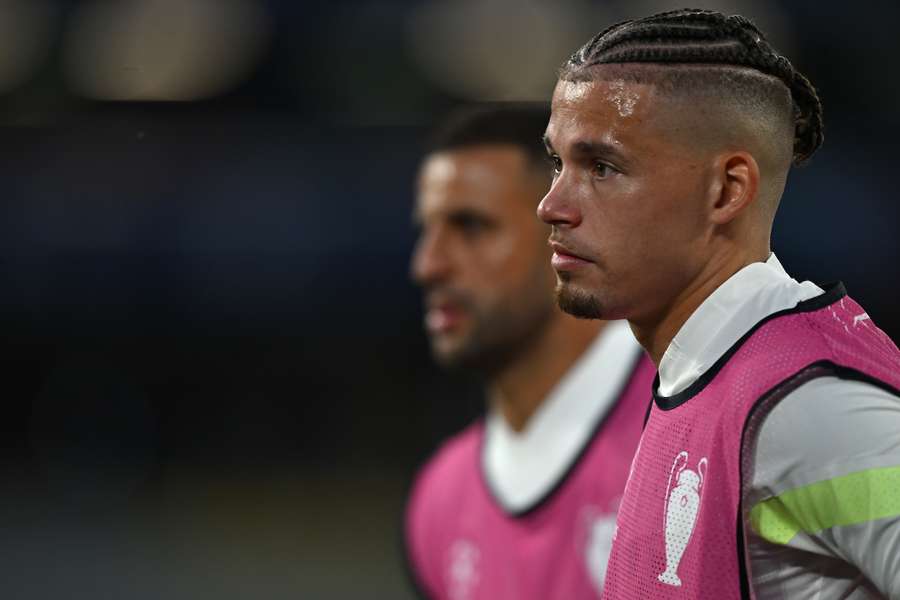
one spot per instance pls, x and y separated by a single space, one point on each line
470 225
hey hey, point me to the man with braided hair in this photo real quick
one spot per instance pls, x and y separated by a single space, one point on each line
769 465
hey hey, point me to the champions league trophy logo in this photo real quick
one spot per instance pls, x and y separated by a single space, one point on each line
597 529
462 573
682 506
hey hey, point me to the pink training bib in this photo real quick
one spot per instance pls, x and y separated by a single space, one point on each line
463 546
680 526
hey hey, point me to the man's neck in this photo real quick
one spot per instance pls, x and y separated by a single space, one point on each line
521 387
656 333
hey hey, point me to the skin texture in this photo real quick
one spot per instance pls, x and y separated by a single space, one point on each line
483 264
648 217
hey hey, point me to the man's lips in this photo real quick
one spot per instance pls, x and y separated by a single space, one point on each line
564 259
442 318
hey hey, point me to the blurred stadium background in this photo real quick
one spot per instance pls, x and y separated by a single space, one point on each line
215 380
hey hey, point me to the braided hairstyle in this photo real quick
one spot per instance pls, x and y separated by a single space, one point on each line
703 37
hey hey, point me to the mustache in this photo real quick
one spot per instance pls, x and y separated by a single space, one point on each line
568 246
442 295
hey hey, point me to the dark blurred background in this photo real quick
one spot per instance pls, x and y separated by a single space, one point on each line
215 379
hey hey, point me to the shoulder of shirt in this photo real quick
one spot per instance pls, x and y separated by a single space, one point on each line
441 475
831 399
842 392
814 433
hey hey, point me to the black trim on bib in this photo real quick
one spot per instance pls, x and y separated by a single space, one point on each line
647 413
601 421
833 293
742 558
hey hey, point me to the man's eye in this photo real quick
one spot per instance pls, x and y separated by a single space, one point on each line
470 224
603 170
555 163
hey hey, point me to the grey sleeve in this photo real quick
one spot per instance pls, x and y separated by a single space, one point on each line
829 456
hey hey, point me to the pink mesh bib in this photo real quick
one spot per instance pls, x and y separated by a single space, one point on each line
680 528
463 546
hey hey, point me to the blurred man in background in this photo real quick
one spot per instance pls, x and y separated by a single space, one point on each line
770 463
520 505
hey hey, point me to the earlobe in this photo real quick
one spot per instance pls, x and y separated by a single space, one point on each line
739 185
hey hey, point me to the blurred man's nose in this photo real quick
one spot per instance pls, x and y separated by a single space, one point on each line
557 207
430 262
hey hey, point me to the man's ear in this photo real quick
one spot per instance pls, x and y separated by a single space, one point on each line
737 186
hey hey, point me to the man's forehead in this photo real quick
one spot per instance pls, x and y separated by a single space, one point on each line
475 164
434 208
456 179
568 92
600 107
616 96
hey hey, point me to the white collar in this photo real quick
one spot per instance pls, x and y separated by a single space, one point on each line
522 468
748 296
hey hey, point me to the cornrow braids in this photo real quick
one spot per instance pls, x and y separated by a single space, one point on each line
698 37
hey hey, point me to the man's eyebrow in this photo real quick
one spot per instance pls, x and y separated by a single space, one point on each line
590 149
595 148
546 139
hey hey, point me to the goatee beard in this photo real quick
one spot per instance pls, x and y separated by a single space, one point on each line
577 303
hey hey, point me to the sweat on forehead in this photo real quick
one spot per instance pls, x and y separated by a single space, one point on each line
626 97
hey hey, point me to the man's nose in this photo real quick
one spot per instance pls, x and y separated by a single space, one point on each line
557 207
430 262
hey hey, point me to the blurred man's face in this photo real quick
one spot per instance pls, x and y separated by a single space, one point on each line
626 203
482 258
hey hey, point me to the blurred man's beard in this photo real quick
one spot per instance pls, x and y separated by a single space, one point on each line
475 357
577 303
496 339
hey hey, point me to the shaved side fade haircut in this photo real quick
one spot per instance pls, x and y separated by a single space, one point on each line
725 60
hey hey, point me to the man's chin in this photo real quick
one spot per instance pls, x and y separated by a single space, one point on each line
467 357
577 302
450 352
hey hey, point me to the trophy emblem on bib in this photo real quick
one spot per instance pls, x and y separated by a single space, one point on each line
682 506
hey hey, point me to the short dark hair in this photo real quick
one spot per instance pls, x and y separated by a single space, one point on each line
519 124
731 46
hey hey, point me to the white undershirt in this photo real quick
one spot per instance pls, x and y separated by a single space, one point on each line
522 467
754 292
824 429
